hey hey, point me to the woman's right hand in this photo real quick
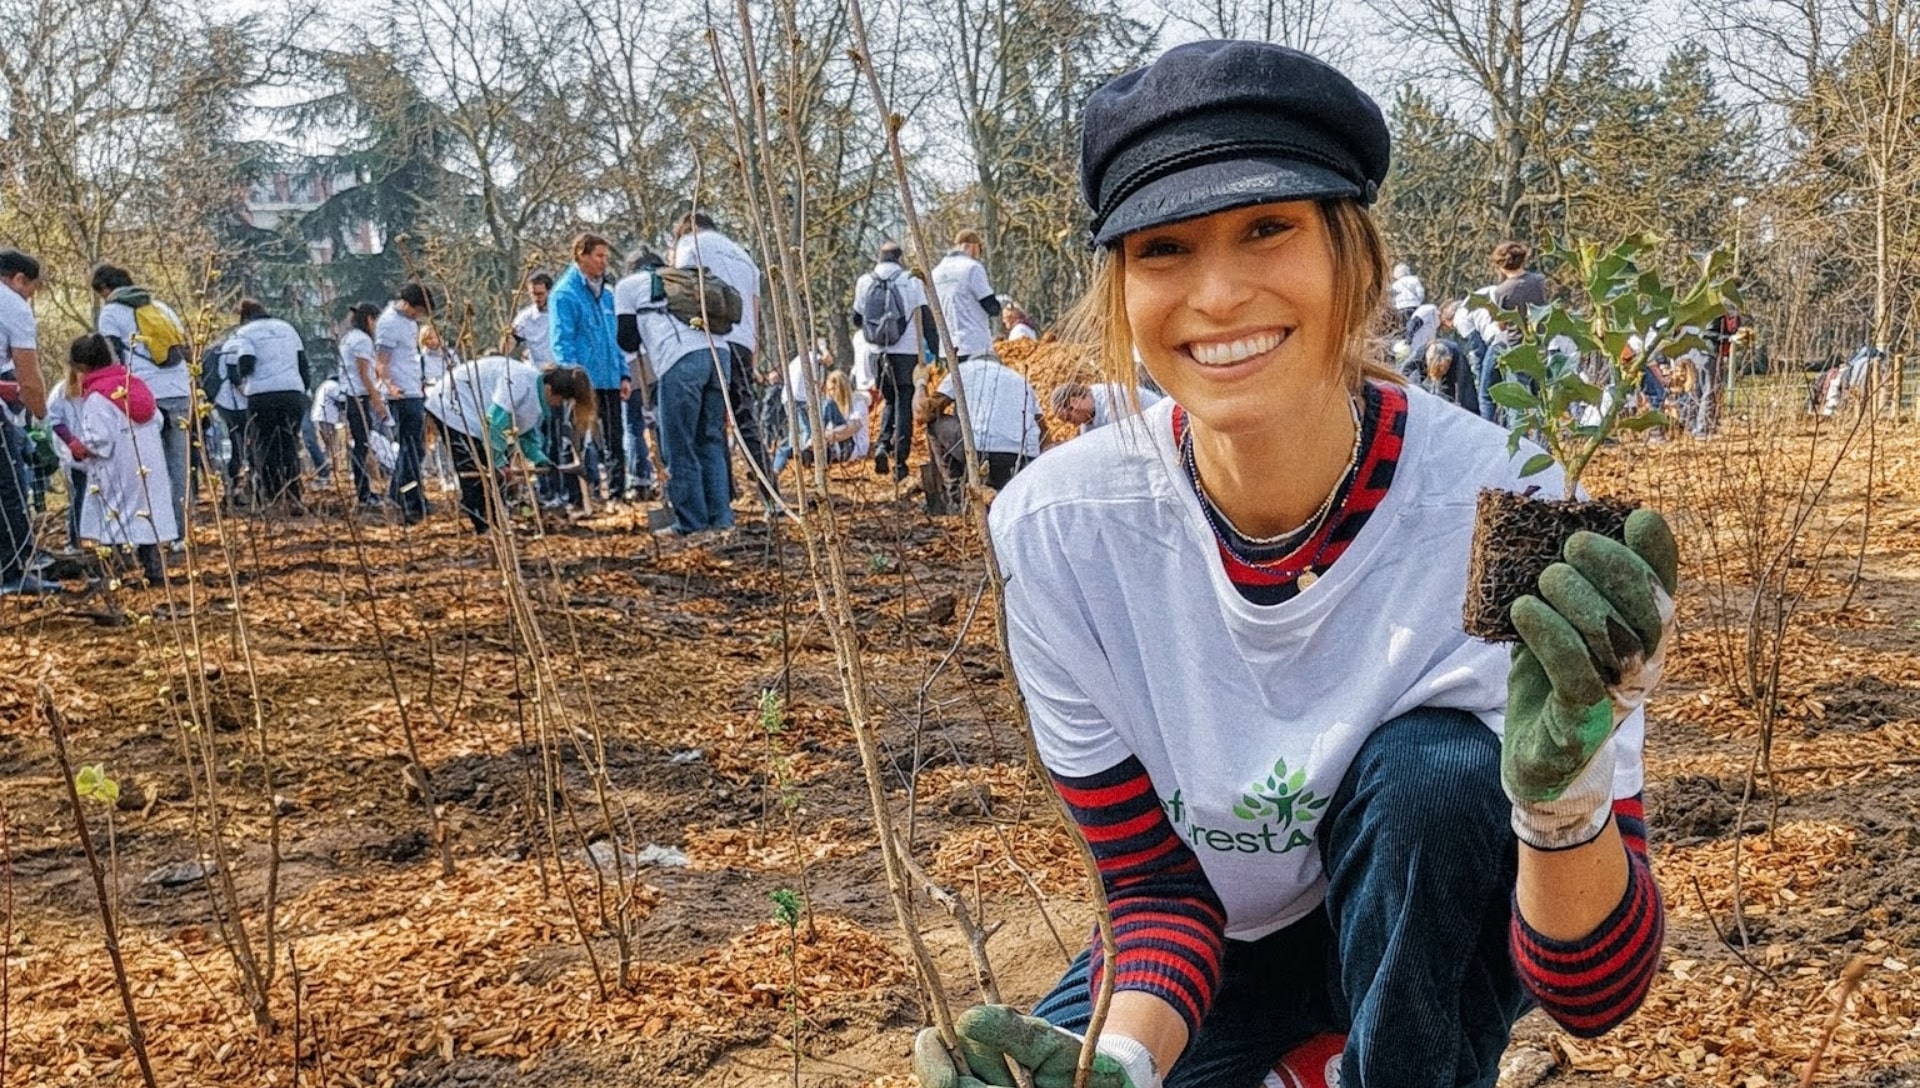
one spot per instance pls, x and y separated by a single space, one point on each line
993 1035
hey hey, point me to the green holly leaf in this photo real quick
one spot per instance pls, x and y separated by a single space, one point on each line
1539 462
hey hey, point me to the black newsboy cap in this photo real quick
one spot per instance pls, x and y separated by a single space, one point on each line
1218 125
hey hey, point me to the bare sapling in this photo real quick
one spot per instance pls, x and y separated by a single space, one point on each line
109 923
1103 1000
827 562
787 907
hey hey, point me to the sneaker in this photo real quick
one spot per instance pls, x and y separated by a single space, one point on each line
1313 1064
880 463
28 585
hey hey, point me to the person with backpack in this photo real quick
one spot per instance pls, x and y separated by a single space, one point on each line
23 393
890 308
403 381
689 370
699 244
1334 830
966 300
581 320
151 340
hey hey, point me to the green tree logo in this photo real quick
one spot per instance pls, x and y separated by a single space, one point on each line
1283 798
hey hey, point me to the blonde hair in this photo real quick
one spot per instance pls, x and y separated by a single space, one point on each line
1099 321
838 391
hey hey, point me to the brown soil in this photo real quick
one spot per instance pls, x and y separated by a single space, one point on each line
488 977
1515 539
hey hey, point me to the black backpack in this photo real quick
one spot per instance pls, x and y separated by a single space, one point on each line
883 313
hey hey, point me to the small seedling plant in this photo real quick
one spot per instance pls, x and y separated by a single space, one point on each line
1572 385
1573 402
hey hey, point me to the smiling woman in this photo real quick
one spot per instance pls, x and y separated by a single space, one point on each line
1340 839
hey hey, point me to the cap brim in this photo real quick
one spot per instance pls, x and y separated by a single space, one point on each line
1218 187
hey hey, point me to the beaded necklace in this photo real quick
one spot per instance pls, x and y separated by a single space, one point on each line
1288 542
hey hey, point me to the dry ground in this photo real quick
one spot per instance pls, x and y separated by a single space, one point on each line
389 974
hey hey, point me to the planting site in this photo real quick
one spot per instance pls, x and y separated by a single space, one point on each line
384 818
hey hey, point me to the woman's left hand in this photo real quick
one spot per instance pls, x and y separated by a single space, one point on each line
1592 647
991 1036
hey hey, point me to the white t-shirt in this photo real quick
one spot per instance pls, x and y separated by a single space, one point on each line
1421 328
355 346
1407 292
913 295
1022 331
1110 403
724 257
117 320
1129 640
1001 406
665 338
398 336
797 379
328 404
530 328
866 367
18 332
463 399
226 359
18 329
275 347
857 414
961 282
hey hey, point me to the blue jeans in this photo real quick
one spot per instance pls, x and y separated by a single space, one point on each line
176 446
410 437
1408 955
639 465
693 438
1489 375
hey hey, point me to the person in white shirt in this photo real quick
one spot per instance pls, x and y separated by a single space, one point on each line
1018 322
805 373
699 244
321 431
1092 405
529 334
270 360
1005 418
230 403
891 309
168 378
403 383
366 404
690 409
1406 291
20 371
966 300
1322 814
486 409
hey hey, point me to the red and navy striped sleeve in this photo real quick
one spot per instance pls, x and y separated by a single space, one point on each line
1589 986
1169 925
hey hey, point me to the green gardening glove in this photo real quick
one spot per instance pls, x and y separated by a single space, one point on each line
1592 647
993 1035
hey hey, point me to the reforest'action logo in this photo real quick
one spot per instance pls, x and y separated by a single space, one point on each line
1282 806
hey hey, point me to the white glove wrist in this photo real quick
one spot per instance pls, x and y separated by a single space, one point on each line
1577 816
1134 1058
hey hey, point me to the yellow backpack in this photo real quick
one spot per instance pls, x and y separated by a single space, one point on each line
160 334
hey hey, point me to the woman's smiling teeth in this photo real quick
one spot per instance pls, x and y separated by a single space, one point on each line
1234 351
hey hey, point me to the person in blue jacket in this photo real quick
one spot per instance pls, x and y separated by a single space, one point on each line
580 312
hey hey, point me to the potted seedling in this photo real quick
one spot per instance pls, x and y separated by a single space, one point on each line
1571 385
